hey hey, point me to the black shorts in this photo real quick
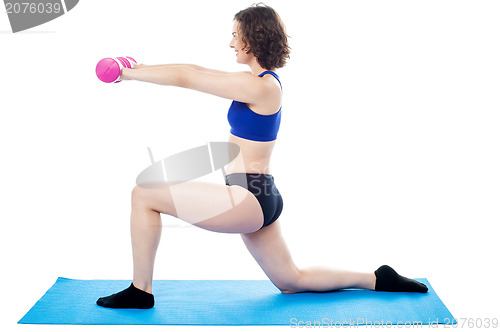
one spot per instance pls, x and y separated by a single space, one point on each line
263 188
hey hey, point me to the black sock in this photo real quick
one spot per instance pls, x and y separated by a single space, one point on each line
389 280
130 298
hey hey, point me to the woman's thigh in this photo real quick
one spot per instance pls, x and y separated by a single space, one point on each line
211 206
269 249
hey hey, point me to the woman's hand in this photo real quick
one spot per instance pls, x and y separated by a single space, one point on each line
125 74
138 65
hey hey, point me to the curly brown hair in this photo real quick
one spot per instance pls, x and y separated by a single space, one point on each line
264 33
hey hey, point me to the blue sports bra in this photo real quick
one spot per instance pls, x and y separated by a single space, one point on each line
247 124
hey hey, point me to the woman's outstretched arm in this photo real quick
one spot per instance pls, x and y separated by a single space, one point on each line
200 68
243 87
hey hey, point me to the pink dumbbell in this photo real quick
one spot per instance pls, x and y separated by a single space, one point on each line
109 70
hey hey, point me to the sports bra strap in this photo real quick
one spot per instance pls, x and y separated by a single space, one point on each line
272 73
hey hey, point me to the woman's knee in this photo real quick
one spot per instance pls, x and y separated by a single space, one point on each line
135 194
138 197
153 199
292 284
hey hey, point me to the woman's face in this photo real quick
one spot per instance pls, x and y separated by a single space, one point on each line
237 44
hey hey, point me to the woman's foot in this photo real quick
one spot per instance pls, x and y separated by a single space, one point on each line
389 280
130 298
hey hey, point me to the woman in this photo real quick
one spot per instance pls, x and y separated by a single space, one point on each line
260 41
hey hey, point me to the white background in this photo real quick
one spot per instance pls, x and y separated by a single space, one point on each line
388 151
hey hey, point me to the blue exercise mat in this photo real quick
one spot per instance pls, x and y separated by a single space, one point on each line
235 302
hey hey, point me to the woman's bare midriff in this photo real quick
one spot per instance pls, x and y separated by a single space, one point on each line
254 156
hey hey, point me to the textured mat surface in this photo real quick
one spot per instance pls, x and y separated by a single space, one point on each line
235 302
